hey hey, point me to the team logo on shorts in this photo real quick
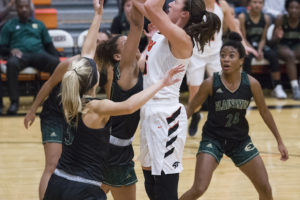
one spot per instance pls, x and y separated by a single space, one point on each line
249 147
175 164
209 145
53 134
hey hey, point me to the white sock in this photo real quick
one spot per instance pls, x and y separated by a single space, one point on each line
294 83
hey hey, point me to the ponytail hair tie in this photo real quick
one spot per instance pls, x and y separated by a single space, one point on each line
204 18
76 72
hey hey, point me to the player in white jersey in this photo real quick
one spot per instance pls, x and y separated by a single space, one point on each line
163 119
209 59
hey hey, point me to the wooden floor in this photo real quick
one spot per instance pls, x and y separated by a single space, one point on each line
22 158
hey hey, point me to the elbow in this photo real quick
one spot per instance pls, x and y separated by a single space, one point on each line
130 109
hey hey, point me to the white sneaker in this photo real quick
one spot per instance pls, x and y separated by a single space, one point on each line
279 93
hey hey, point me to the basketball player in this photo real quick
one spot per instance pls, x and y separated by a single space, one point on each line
209 60
226 130
163 118
82 164
52 117
117 57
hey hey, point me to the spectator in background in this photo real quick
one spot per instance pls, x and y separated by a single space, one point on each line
26 42
254 26
274 8
287 35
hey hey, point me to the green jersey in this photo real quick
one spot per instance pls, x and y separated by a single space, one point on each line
227 109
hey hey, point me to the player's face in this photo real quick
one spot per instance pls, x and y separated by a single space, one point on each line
175 9
23 10
230 59
127 7
294 9
256 5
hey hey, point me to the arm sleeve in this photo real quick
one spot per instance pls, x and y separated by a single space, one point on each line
49 47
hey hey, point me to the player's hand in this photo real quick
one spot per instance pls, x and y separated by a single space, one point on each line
251 50
168 79
283 151
16 52
278 33
260 55
98 6
29 119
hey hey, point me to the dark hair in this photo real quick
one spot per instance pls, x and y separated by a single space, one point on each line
202 24
122 6
287 3
235 40
106 50
106 31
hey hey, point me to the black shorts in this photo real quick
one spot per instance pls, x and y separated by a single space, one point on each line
62 189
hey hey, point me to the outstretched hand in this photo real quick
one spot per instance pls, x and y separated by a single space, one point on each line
98 6
168 79
283 151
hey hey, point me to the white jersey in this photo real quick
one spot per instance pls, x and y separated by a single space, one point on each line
159 60
214 46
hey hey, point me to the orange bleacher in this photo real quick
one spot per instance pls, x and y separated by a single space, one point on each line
48 16
42 2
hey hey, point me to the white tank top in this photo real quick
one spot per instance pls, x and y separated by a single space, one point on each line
159 60
214 46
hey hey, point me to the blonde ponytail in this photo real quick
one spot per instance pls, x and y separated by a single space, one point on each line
74 84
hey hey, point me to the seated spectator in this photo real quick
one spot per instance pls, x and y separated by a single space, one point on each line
254 26
287 36
26 42
274 8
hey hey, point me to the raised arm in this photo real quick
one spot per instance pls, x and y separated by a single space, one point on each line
47 87
132 104
128 64
89 45
267 116
180 42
